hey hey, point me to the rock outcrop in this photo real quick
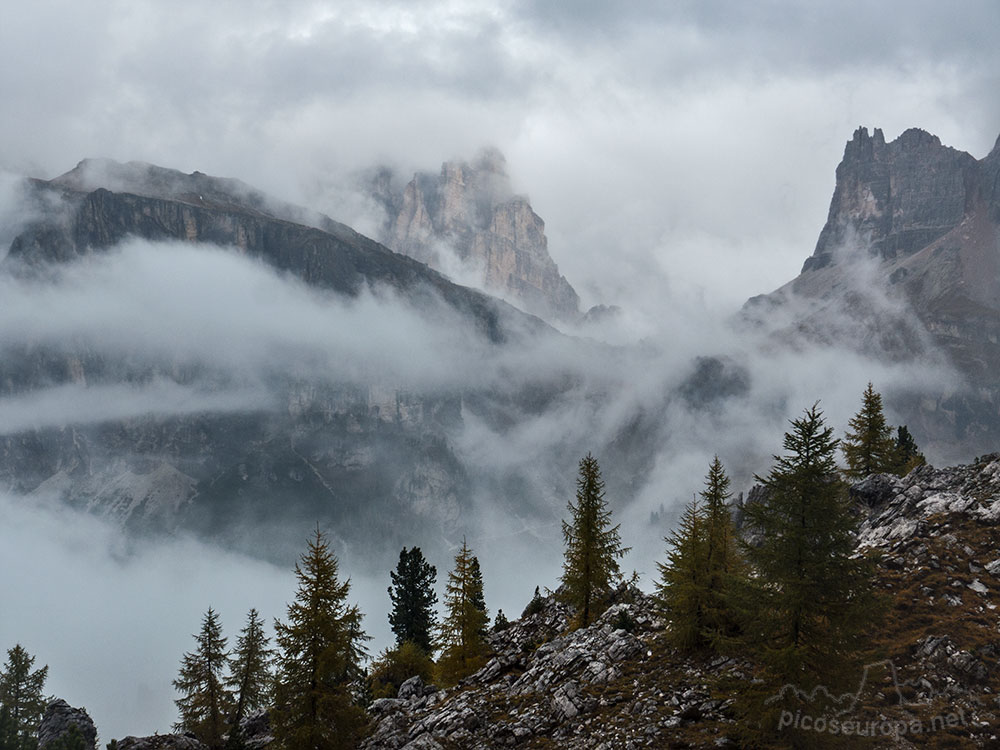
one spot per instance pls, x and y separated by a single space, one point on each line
469 213
161 742
546 687
61 720
897 197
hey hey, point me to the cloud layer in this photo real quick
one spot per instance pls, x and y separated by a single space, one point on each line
656 141
681 154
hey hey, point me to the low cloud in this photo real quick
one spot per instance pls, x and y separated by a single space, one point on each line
211 330
79 404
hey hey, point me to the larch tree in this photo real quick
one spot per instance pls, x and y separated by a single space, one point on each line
412 617
681 590
466 619
319 662
593 546
721 556
701 559
22 702
809 602
250 678
868 445
205 704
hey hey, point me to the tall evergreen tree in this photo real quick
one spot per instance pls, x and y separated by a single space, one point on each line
412 595
8 734
593 545
721 556
21 699
702 558
464 627
205 704
477 595
810 601
868 445
681 589
322 646
250 678
908 455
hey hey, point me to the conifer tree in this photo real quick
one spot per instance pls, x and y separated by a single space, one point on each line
868 445
593 546
808 605
721 556
71 739
412 595
250 678
205 704
536 605
682 588
476 592
693 587
21 699
321 648
908 455
8 735
466 618
500 622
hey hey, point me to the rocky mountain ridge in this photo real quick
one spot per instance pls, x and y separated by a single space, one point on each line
907 269
325 446
469 213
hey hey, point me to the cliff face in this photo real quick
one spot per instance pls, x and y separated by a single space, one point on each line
897 197
370 457
470 211
907 267
197 208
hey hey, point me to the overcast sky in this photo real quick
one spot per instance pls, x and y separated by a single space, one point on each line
683 149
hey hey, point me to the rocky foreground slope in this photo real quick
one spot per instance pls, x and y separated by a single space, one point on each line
933 679
616 684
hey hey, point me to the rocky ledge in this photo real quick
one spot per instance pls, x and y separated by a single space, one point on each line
588 688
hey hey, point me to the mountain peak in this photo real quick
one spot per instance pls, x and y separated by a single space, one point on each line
895 198
915 138
468 220
152 181
864 146
491 159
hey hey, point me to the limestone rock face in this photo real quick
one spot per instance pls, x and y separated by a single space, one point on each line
898 197
328 447
60 718
468 212
907 268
